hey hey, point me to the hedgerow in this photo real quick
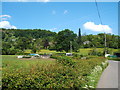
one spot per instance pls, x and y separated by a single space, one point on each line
65 73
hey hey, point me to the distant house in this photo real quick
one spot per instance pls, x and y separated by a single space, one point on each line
86 42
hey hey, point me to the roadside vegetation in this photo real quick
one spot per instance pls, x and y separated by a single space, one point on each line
64 72
115 59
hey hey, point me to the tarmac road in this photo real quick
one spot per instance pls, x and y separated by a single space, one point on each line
109 78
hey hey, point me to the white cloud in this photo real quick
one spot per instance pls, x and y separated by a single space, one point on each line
98 28
7 25
53 29
45 0
65 11
4 17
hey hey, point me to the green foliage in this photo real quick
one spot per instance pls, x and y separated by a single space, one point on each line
95 52
79 40
114 58
17 40
66 61
34 50
107 50
63 40
25 39
26 56
99 40
77 56
55 56
28 74
101 52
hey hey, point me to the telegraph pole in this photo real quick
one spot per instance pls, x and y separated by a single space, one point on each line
102 26
105 43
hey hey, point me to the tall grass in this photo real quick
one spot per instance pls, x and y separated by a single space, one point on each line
11 62
85 51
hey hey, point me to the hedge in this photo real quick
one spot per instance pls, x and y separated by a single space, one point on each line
65 73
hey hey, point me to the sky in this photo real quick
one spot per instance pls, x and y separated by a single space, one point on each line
60 0
57 16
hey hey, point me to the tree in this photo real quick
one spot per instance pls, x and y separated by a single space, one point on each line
63 40
18 40
46 43
23 43
79 37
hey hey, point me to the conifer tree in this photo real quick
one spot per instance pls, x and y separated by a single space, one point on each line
79 37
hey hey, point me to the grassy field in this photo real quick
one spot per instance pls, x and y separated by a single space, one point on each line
47 73
43 51
83 51
11 62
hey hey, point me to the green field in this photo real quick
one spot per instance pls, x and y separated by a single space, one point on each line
61 72
82 51
48 73
12 62
85 51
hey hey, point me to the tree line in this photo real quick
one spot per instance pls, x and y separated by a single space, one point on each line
18 40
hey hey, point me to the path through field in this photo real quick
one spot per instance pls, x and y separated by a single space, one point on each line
109 78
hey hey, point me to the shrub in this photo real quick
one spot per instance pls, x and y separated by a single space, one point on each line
77 56
54 56
66 73
108 51
66 61
26 56
95 52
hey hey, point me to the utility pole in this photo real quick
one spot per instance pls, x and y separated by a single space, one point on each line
101 24
70 46
105 44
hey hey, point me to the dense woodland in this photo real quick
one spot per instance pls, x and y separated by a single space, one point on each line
18 40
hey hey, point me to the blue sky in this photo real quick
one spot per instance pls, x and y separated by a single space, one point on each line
57 16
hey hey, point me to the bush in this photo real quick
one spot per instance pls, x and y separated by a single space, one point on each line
108 51
9 51
20 52
95 52
77 56
26 56
54 56
66 73
66 61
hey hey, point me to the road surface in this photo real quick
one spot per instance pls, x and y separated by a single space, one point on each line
109 78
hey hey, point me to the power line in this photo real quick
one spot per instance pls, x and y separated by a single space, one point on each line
98 12
101 24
